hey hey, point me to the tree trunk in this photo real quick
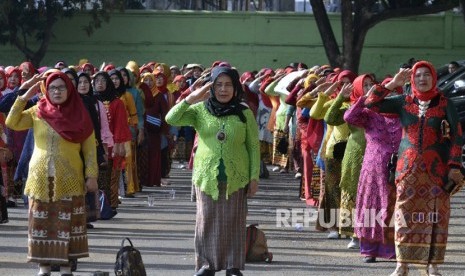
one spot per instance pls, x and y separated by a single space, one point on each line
326 32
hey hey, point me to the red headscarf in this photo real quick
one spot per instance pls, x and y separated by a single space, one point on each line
358 87
29 65
346 74
10 72
2 76
245 76
428 95
70 119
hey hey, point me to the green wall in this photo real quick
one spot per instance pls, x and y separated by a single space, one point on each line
246 40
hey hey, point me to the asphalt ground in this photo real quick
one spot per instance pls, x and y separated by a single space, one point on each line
164 234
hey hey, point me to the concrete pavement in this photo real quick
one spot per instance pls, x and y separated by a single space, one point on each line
164 235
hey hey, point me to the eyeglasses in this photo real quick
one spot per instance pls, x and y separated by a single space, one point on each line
61 88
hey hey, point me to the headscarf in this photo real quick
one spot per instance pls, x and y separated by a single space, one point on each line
88 66
90 101
162 88
109 67
134 68
69 119
245 76
153 89
428 95
234 106
358 87
122 87
47 73
346 74
129 84
110 92
10 72
30 66
2 76
72 72
309 79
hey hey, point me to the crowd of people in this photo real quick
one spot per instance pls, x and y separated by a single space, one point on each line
357 145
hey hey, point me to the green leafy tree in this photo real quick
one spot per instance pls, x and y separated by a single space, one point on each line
28 24
359 16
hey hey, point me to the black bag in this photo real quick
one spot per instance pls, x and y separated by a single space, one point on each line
129 261
392 164
283 145
339 149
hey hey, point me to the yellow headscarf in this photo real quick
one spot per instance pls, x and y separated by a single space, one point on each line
309 79
153 89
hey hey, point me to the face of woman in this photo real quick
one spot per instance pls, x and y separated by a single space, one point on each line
71 78
13 80
25 73
149 82
116 81
100 83
57 91
223 88
160 69
367 84
125 77
197 72
88 70
159 81
423 79
83 86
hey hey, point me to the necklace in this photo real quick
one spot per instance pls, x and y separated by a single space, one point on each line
221 135
423 107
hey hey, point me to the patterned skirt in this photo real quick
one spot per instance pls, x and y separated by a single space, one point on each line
220 230
330 196
57 230
279 159
422 213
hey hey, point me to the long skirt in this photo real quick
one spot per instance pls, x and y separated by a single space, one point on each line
266 152
154 160
330 196
374 248
280 159
57 230
131 179
142 157
220 229
422 214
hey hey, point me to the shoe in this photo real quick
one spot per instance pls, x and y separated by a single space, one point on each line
369 259
165 182
10 204
276 169
400 271
90 226
333 235
354 244
298 175
204 271
233 272
283 171
44 274
129 196
433 270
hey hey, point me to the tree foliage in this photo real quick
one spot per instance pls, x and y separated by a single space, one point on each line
359 16
28 24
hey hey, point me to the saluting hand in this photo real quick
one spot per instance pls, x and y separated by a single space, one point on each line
199 94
